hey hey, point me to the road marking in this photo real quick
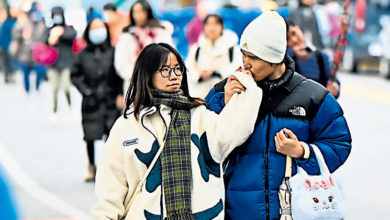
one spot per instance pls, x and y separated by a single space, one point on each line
381 96
15 171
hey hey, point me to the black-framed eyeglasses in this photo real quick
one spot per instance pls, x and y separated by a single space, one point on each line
165 71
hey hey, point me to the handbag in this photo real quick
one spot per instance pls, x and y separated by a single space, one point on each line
311 196
44 54
132 204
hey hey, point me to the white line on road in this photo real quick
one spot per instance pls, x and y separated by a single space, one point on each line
29 185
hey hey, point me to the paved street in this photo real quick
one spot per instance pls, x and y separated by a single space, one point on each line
46 164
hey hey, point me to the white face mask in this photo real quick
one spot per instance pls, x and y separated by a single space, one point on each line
98 36
57 19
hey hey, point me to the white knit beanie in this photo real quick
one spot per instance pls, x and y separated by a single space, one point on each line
265 37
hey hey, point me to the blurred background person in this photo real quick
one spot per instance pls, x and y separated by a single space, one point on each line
195 26
384 37
143 30
29 30
5 41
116 21
94 75
310 62
214 57
306 19
7 204
60 36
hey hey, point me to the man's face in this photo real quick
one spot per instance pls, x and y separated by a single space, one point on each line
295 37
259 68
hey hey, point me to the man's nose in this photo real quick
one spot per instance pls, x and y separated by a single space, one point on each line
246 62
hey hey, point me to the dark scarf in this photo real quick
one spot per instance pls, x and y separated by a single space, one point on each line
176 155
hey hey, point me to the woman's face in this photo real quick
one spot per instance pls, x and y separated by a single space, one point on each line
213 29
139 14
97 24
171 81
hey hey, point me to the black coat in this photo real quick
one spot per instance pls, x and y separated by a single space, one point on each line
64 46
94 75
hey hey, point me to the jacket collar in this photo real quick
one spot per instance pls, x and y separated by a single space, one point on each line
282 82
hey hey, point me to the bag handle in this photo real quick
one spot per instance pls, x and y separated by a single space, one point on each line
324 170
143 179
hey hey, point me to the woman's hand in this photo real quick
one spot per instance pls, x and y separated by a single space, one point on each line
55 35
288 144
119 102
205 74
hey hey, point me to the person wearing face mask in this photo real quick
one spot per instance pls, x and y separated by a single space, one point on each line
186 182
212 58
143 30
27 32
61 37
94 76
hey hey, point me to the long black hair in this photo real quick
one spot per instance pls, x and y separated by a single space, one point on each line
151 20
149 61
86 34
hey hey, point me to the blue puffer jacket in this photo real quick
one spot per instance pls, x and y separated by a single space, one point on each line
255 170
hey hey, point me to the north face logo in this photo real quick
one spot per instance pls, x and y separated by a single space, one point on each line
297 111
130 142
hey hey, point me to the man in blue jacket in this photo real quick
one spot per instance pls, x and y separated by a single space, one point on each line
295 114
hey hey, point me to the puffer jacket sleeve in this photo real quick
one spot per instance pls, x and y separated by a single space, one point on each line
215 100
111 184
236 121
330 132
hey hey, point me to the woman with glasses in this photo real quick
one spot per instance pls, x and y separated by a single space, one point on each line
186 182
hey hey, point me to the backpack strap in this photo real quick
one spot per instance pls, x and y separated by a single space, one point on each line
321 65
231 50
197 54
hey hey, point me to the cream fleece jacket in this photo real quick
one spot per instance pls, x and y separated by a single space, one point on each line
132 145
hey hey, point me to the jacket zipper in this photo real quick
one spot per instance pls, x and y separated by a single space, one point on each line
142 122
266 168
166 127
155 137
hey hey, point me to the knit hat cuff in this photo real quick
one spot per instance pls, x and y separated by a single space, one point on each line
263 52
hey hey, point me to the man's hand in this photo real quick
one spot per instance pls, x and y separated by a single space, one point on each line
333 88
288 144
